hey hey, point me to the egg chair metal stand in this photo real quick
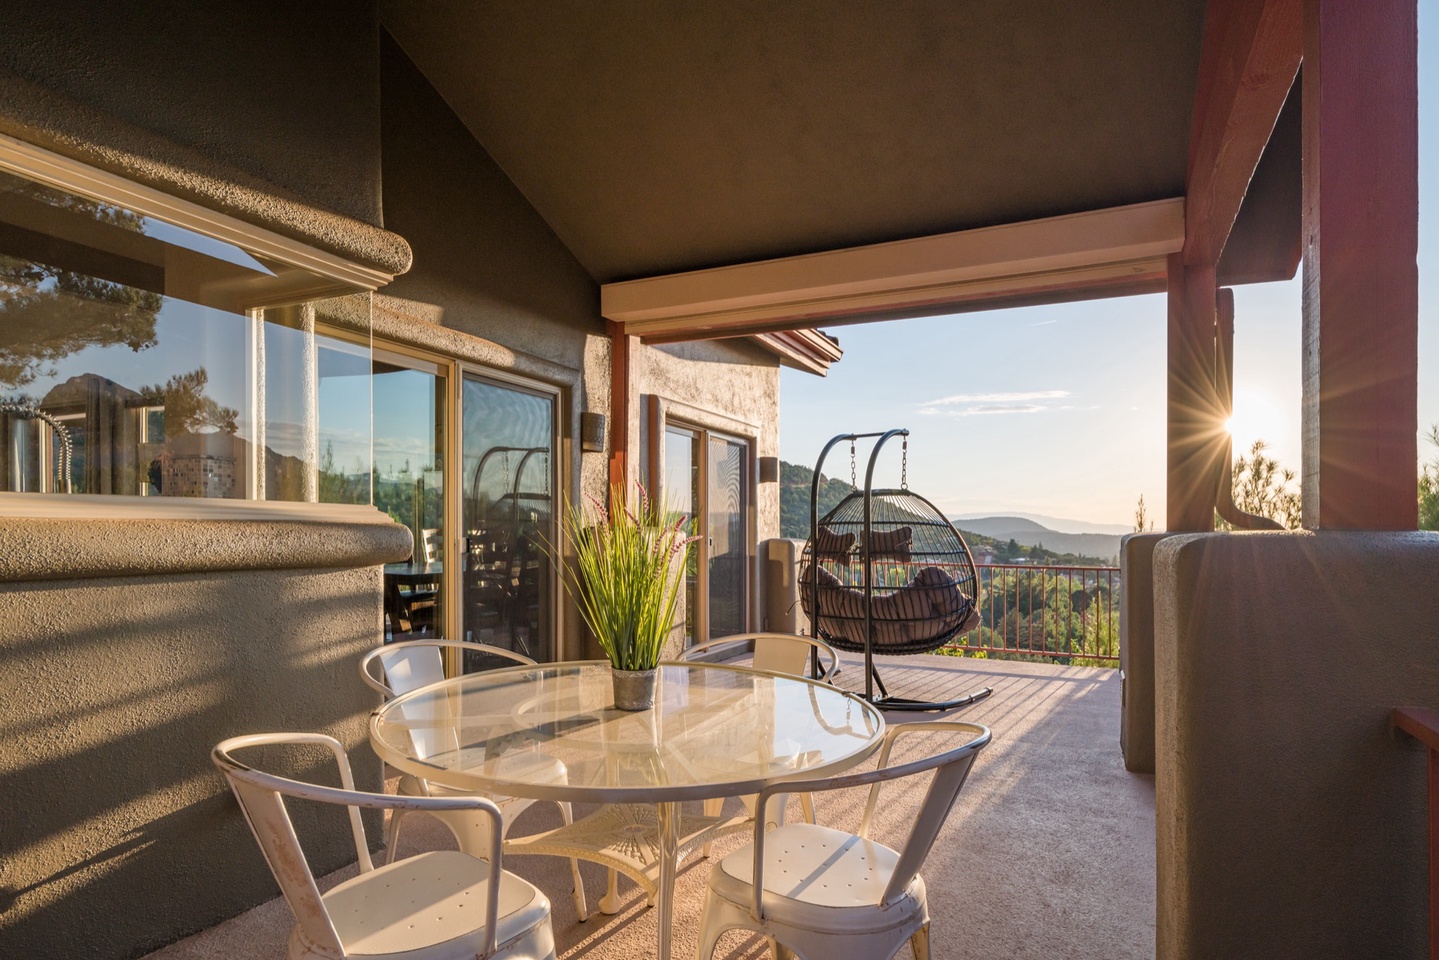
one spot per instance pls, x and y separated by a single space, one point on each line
885 571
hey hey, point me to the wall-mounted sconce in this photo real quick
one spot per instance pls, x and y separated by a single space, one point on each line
769 469
592 433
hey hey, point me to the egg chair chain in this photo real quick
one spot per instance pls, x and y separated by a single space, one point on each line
904 463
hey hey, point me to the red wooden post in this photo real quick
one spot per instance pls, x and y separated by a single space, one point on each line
1196 426
1252 50
621 347
1361 236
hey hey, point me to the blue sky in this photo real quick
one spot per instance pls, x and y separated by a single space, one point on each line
1059 410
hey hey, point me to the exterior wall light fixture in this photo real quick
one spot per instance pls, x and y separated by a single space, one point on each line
592 432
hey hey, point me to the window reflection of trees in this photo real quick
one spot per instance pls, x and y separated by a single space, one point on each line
128 348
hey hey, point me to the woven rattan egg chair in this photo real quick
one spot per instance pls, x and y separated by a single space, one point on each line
885 572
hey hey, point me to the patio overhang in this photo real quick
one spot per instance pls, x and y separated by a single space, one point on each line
1096 253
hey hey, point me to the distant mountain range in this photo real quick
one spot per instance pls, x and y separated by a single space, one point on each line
1095 541
1057 524
1029 533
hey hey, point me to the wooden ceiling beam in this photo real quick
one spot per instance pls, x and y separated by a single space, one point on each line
1252 51
1115 247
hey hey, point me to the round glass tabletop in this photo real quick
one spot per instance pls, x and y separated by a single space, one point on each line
714 731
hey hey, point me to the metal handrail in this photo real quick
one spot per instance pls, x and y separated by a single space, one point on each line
30 412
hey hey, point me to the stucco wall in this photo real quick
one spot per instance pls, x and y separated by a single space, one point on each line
286 92
1290 820
119 833
731 379
1136 650
493 285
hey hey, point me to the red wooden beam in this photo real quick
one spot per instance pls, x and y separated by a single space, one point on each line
1252 50
1361 280
1422 724
621 346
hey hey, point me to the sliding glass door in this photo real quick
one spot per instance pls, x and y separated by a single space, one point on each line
410 403
726 536
706 477
508 474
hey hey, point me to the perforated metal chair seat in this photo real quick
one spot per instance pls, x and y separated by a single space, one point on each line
821 876
432 904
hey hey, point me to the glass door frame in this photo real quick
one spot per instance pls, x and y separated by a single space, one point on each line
455 502
448 369
663 414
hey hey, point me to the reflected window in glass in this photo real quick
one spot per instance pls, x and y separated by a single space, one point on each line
140 358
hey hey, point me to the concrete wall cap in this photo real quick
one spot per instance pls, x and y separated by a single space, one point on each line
48 549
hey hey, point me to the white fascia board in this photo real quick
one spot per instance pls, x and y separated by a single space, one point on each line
1084 248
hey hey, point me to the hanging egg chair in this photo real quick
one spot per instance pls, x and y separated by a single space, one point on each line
922 576
885 572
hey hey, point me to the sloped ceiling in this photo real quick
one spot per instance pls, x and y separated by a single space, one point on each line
659 137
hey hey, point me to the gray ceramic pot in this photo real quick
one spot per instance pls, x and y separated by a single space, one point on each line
634 689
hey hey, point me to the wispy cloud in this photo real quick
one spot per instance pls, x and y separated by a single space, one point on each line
1018 397
989 404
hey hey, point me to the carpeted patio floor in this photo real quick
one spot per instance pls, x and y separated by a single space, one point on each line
1049 852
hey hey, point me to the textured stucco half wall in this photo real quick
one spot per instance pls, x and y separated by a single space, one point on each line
1136 650
119 834
1290 820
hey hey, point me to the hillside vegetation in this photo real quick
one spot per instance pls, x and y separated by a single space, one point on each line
795 481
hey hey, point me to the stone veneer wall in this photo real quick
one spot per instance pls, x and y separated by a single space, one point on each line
128 648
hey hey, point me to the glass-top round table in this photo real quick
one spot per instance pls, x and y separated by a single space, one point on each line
715 731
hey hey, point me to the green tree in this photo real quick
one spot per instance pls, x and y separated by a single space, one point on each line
187 409
1429 487
1142 521
795 481
1262 487
48 312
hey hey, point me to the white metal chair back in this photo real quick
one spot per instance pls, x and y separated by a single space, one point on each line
776 652
951 769
434 544
261 798
412 664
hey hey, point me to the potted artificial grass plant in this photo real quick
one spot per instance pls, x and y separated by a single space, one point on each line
628 572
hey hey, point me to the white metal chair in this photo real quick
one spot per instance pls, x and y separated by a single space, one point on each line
411 664
824 894
778 653
441 905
